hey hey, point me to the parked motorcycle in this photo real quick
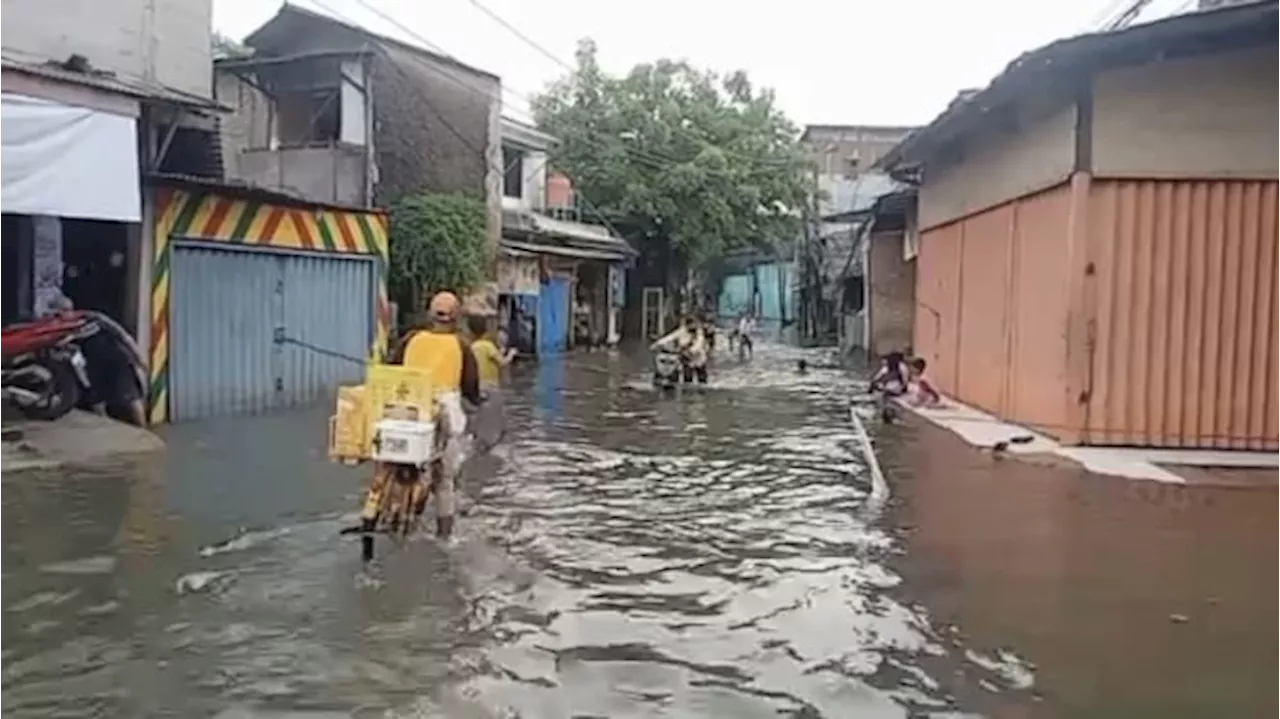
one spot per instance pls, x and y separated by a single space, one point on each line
43 371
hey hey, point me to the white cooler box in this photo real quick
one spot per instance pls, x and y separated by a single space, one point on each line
401 441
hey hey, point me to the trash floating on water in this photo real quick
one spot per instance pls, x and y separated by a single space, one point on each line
197 582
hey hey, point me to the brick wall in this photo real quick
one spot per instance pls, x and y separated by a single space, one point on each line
893 283
436 128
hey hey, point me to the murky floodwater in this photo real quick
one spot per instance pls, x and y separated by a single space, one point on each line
630 555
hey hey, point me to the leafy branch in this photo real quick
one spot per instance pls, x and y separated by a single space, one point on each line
437 243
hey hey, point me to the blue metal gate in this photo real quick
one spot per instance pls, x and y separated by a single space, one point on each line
235 315
553 316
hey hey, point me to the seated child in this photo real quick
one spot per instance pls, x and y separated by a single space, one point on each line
891 378
923 393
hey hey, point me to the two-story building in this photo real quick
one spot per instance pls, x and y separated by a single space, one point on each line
560 279
114 195
1097 236
832 279
96 97
331 112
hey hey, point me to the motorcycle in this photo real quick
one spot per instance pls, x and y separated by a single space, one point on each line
44 373
407 451
666 370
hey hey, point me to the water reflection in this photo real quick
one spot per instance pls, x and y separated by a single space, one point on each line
631 555
1133 598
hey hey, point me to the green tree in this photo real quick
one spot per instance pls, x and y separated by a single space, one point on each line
437 243
679 155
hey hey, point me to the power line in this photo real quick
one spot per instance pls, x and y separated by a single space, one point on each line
651 159
462 83
651 156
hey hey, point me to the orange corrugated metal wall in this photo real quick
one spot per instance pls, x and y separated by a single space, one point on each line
992 303
1185 313
938 303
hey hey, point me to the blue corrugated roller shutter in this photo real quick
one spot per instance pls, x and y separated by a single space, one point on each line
229 307
220 351
328 303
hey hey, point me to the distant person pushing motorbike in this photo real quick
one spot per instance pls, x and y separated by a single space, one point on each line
689 341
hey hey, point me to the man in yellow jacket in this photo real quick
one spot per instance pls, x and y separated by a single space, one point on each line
444 355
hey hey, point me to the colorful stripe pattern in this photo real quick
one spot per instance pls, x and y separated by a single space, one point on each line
216 218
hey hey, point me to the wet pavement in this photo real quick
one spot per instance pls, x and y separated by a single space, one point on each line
629 555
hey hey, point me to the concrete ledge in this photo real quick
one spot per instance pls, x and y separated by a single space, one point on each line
984 430
80 439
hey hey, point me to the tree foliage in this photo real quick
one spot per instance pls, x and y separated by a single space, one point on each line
437 243
706 162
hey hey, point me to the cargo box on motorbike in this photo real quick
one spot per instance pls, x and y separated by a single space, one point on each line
348 427
406 391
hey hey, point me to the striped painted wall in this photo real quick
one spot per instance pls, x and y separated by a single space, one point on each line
210 217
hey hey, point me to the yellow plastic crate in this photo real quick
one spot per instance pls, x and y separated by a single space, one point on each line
349 426
402 390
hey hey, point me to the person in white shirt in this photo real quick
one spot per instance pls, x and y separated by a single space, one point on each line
746 326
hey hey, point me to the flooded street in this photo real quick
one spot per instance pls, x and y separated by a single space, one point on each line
629 555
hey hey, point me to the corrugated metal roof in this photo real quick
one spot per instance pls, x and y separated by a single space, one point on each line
516 247
111 82
236 188
292 21
536 226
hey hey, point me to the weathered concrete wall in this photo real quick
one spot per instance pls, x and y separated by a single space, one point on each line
893 293
833 148
249 125
1030 150
161 41
434 126
320 174
1209 117
436 122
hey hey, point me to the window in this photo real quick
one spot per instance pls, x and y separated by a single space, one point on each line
512 173
308 117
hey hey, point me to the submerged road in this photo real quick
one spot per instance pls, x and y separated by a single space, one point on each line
628 555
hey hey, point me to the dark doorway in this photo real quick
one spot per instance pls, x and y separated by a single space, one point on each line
95 268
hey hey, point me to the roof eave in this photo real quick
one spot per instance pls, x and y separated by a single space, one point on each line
289 8
1071 54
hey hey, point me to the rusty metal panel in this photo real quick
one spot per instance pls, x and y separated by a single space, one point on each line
1186 337
984 304
937 316
992 307
1038 307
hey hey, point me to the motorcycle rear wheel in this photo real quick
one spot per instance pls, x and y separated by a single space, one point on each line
58 393
394 506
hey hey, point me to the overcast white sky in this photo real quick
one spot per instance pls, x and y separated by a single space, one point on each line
830 61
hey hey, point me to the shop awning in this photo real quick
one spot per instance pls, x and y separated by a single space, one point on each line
577 253
68 161
544 230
